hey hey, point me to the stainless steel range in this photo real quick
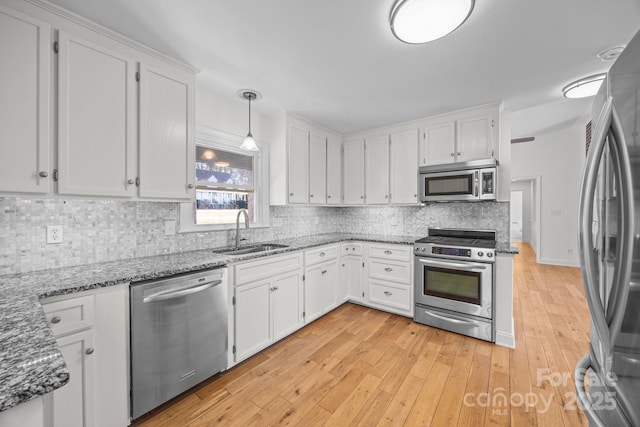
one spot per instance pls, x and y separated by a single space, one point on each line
454 281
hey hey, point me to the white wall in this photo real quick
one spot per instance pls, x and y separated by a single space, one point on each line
558 158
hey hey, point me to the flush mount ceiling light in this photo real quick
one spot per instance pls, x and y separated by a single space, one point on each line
250 95
584 87
422 21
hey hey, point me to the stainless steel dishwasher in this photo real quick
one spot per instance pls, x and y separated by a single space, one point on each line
178 335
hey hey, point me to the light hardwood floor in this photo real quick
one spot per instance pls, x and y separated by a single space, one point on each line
362 367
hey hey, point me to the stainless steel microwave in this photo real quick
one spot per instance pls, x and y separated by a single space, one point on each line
464 181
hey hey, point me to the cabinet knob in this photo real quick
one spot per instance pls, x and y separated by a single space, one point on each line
291 194
386 196
322 254
323 271
89 350
56 319
388 269
328 197
362 197
415 195
387 252
130 181
190 186
310 195
458 153
387 293
453 154
43 174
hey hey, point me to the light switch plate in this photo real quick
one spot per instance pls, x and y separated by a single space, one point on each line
54 234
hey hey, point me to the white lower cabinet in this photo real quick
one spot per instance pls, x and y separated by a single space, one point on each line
322 281
352 271
268 302
92 333
389 278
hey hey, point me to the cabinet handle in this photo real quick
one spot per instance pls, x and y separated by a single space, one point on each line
190 186
56 319
43 174
387 293
291 194
387 252
388 269
453 154
322 254
310 195
328 197
89 350
362 197
324 271
131 182
458 153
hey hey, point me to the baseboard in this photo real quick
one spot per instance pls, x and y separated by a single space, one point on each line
505 339
562 262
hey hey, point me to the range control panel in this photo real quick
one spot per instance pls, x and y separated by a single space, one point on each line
454 252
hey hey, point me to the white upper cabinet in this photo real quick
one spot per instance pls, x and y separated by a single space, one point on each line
474 138
317 169
166 132
461 136
439 144
353 163
96 119
298 165
377 170
24 103
404 166
334 171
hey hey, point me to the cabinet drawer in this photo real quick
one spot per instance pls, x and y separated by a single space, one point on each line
70 315
267 267
390 294
351 249
395 252
390 270
314 256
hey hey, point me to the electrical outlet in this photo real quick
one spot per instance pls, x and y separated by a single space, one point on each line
54 234
169 227
570 251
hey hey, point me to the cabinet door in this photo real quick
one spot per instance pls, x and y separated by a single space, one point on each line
313 296
334 171
404 167
253 318
439 144
317 169
474 138
167 153
352 276
287 304
96 119
72 405
298 165
331 285
377 170
354 173
25 89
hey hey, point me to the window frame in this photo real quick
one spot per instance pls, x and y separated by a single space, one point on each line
217 139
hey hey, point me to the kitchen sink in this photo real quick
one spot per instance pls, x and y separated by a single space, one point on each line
263 247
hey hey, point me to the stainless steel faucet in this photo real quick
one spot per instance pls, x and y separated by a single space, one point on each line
246 224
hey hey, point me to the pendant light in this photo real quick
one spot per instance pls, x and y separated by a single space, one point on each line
422 21
250 95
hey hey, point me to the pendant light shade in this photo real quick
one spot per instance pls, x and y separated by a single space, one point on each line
248 143
422 21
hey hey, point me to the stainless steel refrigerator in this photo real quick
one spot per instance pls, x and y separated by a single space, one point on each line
609 244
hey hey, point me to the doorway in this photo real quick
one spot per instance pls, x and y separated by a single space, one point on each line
516 216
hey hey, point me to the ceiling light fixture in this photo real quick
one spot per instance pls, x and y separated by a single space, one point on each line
610 54
422 21
251 95
584 87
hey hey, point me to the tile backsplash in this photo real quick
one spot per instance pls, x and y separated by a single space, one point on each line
108 230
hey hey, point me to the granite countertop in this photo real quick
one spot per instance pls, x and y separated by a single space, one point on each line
31 364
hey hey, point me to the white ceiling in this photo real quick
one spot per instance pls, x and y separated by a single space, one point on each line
336 62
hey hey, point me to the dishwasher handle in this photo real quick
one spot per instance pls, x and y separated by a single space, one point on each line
162 296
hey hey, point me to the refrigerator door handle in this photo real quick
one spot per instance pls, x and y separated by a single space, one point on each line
584 364
585 237
622 273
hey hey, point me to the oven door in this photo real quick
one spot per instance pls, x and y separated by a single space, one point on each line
452 185
461 286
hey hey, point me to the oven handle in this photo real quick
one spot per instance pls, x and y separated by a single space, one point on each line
450 319
161 296
452 265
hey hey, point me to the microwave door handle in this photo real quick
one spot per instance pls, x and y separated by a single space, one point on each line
624 261
476 182
585 237
451 265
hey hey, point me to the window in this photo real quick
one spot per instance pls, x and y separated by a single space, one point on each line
227 179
